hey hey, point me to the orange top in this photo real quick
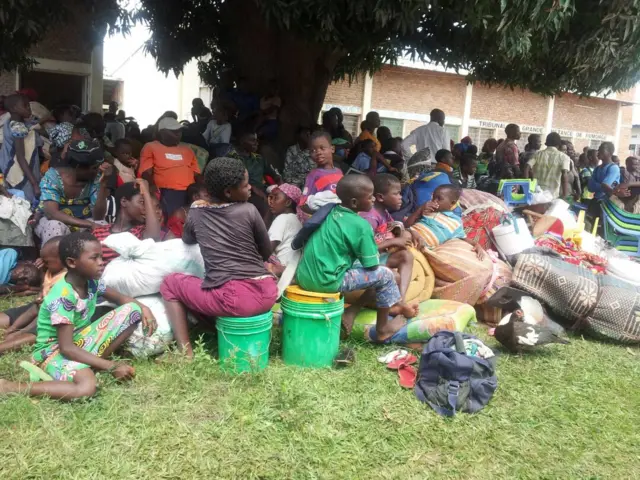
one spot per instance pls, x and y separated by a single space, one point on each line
366 135
173 167
50 280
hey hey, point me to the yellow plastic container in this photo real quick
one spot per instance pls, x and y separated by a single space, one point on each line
297 294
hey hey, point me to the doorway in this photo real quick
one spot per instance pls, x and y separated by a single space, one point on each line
56 88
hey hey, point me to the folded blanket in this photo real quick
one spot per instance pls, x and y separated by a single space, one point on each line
599 305
434 316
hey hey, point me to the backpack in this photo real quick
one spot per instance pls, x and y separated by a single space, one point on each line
451 381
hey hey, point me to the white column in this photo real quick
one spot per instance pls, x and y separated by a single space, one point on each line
548 125
366 95
466 117
95 82
616 140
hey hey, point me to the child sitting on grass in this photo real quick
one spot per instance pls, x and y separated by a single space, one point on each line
234 243
342 238
69 347
19 323
390 236
435 222
17 277
321 179
282 202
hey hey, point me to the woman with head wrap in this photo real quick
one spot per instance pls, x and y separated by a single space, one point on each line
74 196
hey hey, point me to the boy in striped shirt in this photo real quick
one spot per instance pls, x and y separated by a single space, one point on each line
435 222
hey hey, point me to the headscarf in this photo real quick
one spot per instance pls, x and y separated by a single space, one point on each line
291 191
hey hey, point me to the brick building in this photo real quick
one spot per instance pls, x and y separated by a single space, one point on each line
405 94
69 68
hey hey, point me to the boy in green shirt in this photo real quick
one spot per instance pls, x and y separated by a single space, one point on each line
327 263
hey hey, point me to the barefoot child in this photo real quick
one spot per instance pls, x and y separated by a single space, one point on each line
392 244
342 238
435 222
282 202
20 322
68 346
321 179
234 243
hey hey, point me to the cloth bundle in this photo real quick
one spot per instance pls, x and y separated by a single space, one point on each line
141 346
143 264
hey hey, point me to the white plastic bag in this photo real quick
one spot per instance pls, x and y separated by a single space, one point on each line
141 346
143 264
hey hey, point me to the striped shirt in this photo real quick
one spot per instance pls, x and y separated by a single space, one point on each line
103 231
436 228
469 183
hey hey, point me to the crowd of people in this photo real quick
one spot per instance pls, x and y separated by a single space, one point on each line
353 206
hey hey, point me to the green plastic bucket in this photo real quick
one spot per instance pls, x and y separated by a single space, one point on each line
310 332
243 342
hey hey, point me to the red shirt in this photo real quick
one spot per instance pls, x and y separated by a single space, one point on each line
103 231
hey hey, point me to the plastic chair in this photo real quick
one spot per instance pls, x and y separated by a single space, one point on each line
505 187
621 228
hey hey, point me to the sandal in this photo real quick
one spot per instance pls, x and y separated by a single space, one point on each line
407 376
36 374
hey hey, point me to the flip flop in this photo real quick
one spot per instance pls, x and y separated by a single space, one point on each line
36 374
408 359
407 376
393 355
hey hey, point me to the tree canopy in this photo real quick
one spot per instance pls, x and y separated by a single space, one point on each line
546 46
550 46
24 23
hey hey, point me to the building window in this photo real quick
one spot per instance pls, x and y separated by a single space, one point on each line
524 139
454 132
351 124
394 124
480 135
595 144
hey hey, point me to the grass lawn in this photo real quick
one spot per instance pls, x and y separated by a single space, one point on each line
566 412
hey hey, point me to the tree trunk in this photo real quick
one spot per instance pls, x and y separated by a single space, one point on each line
262 53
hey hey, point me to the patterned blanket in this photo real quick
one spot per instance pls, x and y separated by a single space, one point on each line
599 305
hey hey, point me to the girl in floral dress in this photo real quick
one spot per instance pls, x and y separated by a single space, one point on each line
69 346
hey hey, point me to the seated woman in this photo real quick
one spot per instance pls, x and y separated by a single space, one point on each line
74 196
135 213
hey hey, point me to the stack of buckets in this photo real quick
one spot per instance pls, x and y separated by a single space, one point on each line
243 342
310 327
